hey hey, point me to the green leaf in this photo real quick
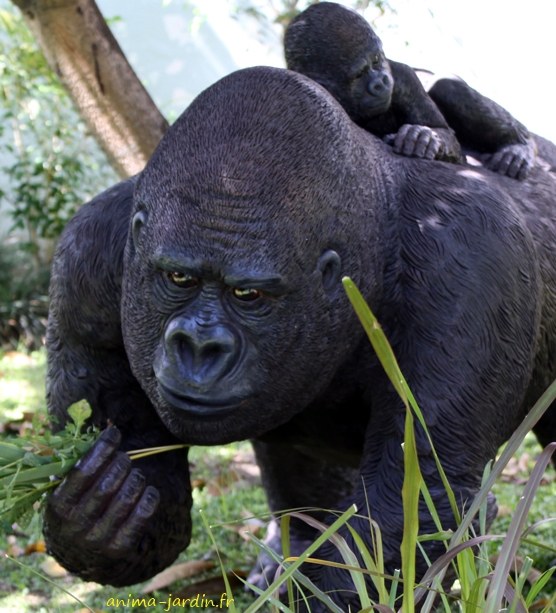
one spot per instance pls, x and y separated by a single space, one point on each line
80 412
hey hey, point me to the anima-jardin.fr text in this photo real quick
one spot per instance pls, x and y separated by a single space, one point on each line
197 602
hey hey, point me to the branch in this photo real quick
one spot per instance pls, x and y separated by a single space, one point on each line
81 50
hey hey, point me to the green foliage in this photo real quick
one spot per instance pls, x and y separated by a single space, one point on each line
49 166
28 462
270 13
52 166
23 297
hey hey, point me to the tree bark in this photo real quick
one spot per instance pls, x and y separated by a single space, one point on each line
107 94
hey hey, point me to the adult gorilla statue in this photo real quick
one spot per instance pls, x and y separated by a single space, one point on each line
202 302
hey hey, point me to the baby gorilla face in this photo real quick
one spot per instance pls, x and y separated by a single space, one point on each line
337 48
368 91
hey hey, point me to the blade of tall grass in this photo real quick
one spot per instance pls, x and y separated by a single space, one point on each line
538 585
389 363
223 570
519 584
410 496
297 576
444 560
511 542
45 578
371 565
510 449
285 538
291 569
347 554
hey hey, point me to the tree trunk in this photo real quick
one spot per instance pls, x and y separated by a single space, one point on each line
117 109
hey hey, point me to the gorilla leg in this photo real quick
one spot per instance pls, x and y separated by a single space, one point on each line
294 477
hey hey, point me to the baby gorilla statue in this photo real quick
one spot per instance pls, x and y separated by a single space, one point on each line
337 48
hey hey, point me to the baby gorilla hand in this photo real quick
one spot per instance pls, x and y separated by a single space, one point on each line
415 141
514 161
101 508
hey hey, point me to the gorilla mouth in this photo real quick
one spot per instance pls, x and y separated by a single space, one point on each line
199 406
375 105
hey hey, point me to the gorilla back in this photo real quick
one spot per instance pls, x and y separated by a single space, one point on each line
234 323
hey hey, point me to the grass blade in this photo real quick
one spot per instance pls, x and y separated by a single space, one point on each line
260 602
511 543
410 497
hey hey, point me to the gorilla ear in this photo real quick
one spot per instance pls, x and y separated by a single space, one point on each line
139 220
330 267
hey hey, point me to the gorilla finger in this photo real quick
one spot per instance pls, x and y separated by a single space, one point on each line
120 508
524 171
389 139
433 149
103 490
417 141
132 530
79 479
426 145
407 145
515 166
505 162
400 137
492 161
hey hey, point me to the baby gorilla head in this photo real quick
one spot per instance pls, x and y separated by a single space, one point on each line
336 47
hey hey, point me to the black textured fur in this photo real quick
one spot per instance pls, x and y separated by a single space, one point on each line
336 47
265 174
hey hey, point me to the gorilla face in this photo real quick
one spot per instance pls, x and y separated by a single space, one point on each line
337 48
224 318
365 85
233 315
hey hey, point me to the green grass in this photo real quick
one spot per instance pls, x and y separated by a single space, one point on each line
21 591
21 384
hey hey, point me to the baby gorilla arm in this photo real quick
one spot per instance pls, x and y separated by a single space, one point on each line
424 132
486 128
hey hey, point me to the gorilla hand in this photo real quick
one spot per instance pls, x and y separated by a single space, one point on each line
514 161
415 141
101 510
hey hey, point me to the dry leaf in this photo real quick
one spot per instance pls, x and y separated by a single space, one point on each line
14 550
539 605
504 511
37 547
52 568
175 573
198 483
212 587
523 463
218 485
251 524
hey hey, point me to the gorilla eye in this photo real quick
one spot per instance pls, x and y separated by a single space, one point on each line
361 72
246 295
182 280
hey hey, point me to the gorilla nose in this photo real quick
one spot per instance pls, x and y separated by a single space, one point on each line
379 85
201 354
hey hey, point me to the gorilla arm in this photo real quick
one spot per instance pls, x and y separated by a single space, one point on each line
462 315
483 126
424 132
107 522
